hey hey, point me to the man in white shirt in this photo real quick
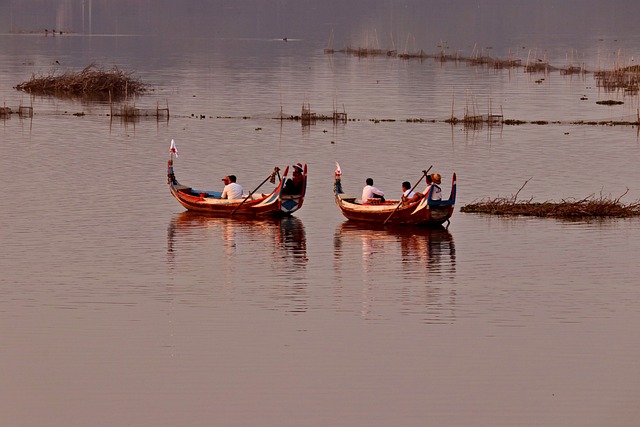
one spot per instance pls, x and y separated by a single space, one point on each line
232 190
371 192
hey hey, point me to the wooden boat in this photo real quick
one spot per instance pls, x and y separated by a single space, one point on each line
253 204
424 212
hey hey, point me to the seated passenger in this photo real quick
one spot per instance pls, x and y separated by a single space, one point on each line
231 190
370 192
409 196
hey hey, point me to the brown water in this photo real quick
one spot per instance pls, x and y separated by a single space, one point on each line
118 308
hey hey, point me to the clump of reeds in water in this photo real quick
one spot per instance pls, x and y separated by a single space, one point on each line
592 206
588 207
91 82
626 78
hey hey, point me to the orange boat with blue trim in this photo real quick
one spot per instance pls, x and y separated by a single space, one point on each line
423 212
254 204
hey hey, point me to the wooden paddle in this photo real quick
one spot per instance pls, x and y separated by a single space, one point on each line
424 173
271 177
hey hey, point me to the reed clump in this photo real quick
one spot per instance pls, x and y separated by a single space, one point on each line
589 207
626 78
91 82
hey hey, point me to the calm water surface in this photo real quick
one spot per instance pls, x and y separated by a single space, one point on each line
119 308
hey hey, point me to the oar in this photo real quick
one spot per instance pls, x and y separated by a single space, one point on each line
271 177
424 173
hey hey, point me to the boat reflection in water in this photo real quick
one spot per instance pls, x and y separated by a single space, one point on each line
235 255
411 267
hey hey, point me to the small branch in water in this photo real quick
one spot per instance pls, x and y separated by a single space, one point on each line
515 196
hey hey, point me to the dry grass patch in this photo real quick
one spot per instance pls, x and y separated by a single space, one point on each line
91 82
591 206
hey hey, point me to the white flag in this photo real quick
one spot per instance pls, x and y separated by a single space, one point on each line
173 148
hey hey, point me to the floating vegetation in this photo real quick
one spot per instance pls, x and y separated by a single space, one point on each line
308 117
339 117
572 70
418 55
607 123
420 120
477 121
609 102
625 78
514 122
506 63
538 67
91 82
532 65
22 111
589 207
132 113
473 120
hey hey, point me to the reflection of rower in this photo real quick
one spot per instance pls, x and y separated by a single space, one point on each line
293 240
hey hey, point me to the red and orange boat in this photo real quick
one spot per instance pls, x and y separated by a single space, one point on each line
253 204
424 212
